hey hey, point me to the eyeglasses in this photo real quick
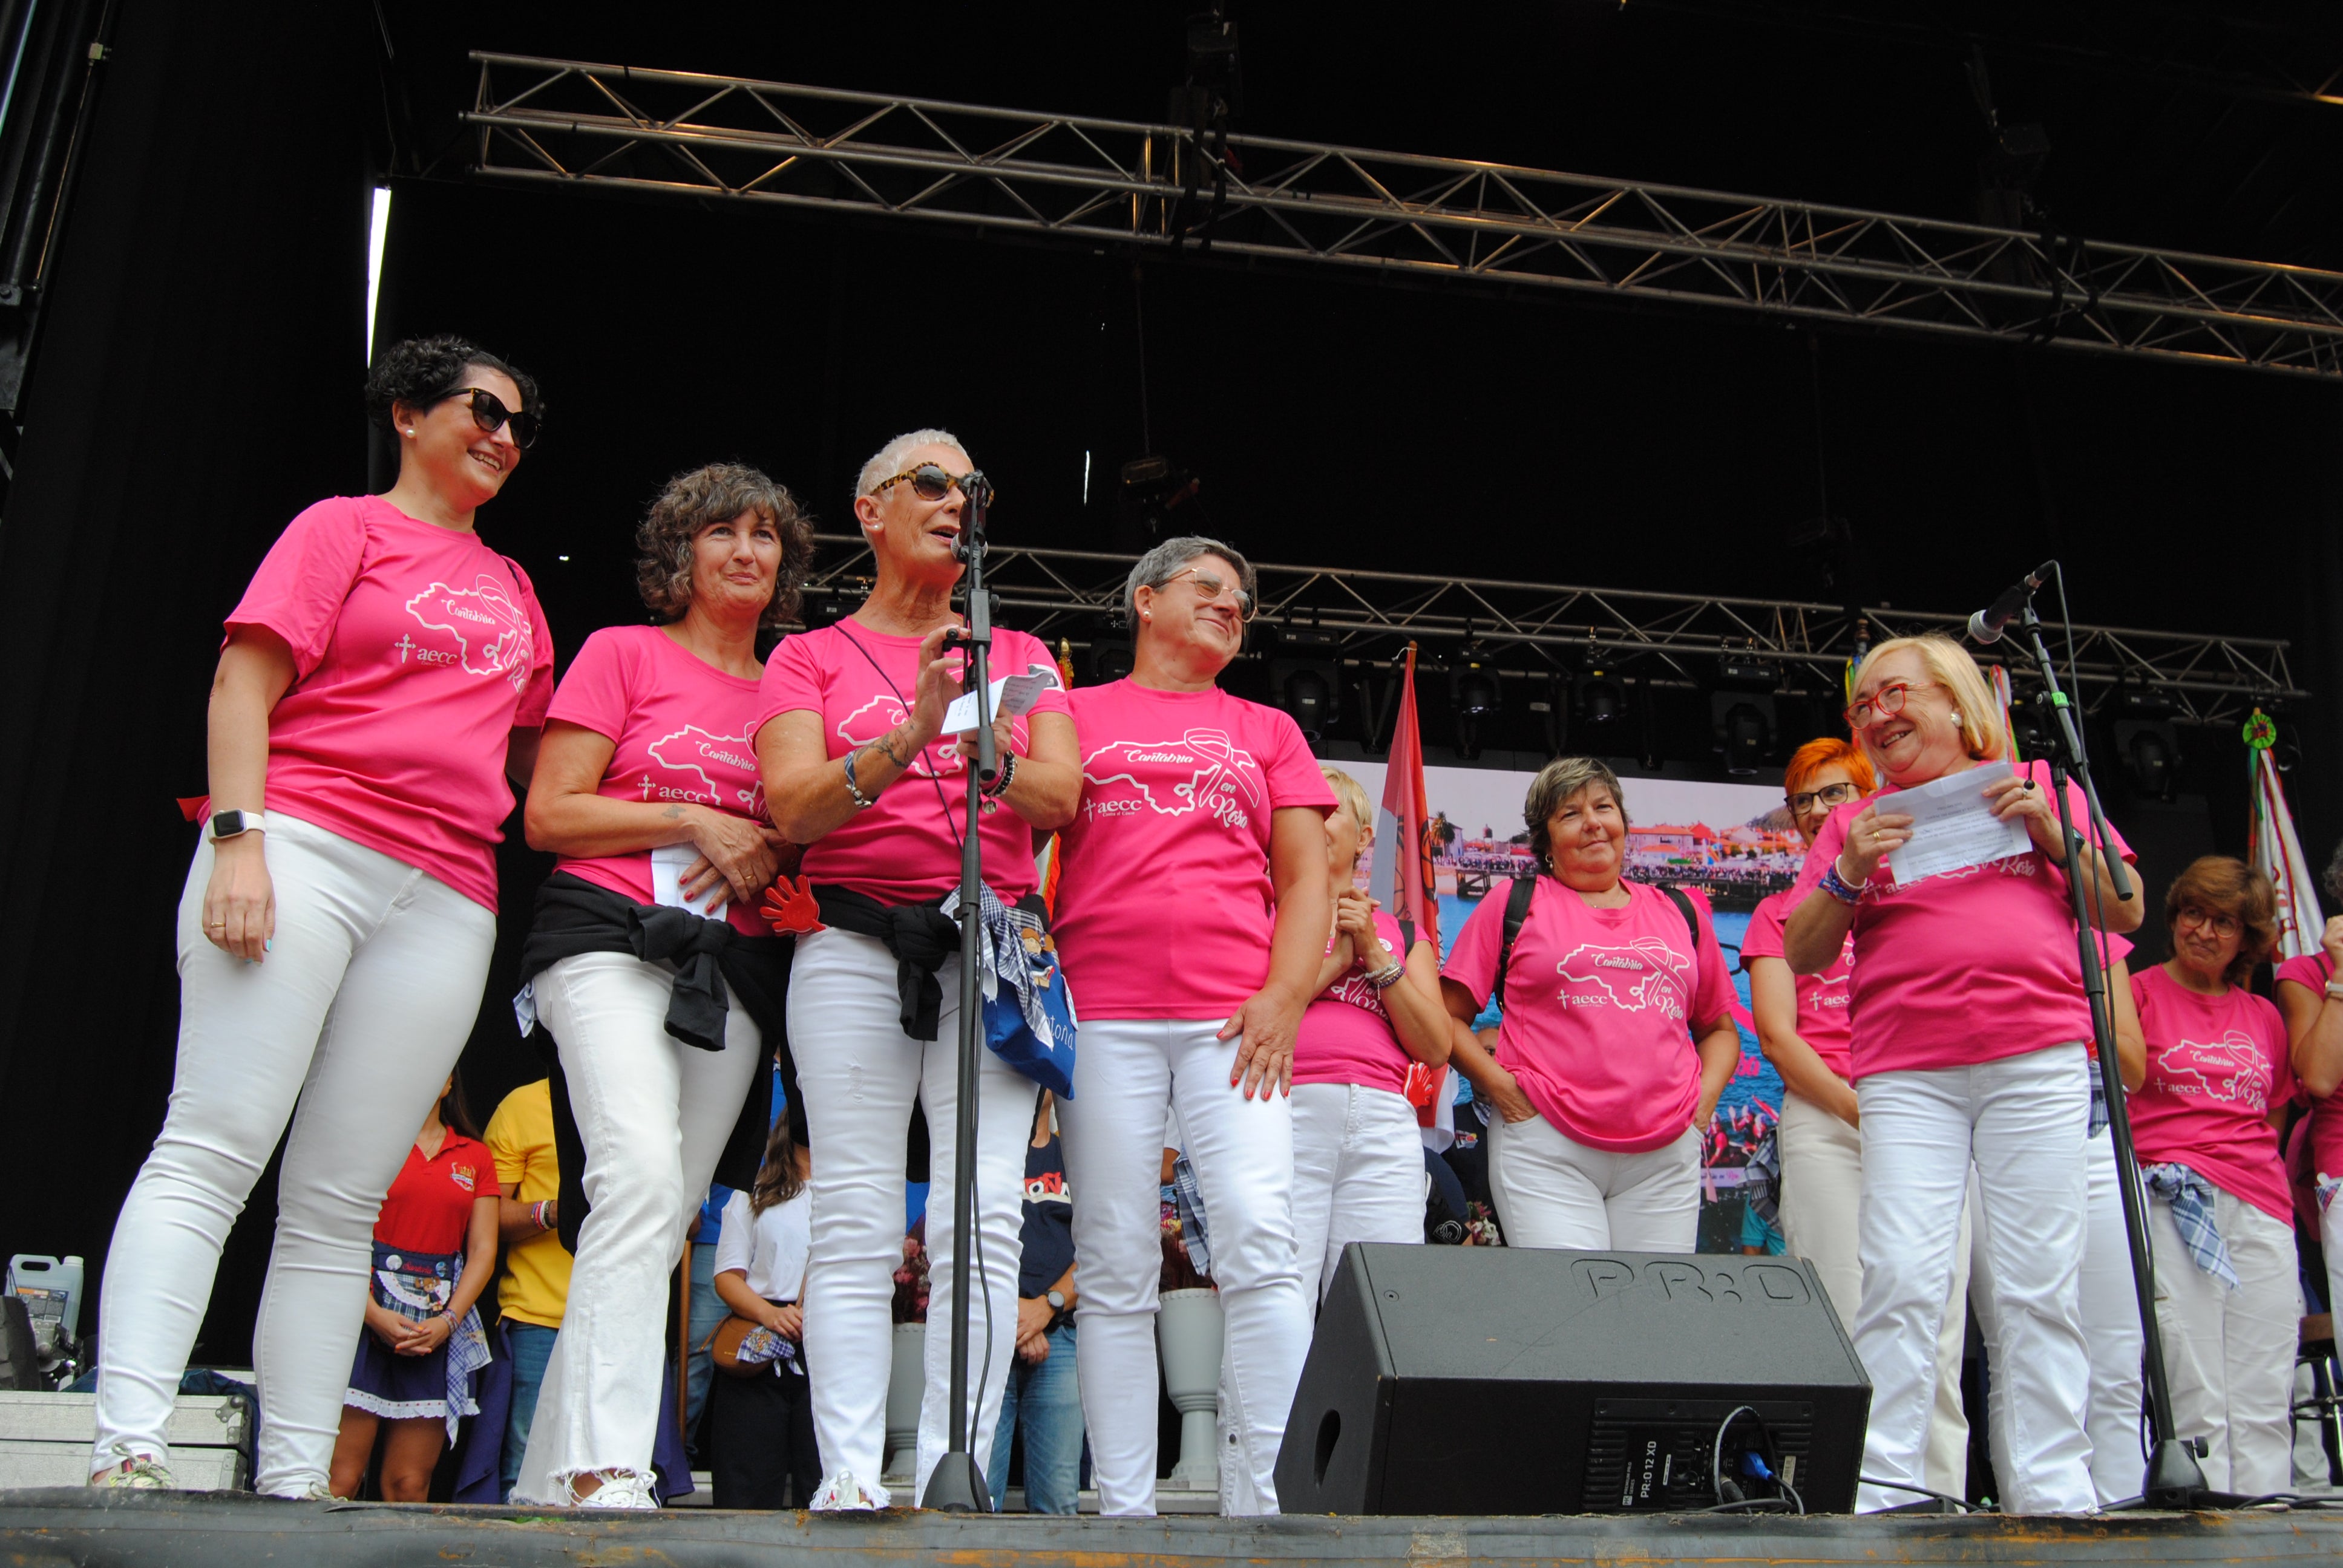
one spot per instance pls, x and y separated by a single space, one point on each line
1209 586
488 412
932 484
1886 702
1805 801
2222 926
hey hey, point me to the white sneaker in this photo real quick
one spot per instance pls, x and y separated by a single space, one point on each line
620 1489
139 1472
842 1494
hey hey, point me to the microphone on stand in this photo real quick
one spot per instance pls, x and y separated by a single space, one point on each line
1986 624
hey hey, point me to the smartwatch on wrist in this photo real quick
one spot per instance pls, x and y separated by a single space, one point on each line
236 824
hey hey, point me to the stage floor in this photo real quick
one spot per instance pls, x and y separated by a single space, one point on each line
52 1528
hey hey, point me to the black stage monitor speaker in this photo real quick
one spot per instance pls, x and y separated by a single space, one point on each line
1468 1379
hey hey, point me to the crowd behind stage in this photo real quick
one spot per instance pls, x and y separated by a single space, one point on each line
744 971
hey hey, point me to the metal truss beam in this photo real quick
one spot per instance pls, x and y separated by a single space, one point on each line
615 127
1536 628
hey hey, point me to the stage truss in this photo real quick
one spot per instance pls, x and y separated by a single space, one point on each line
1537 629
677 132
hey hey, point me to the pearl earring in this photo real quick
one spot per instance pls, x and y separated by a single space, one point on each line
410 430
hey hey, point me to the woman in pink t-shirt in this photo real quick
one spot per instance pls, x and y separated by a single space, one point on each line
2204 1126
1970 1021
859 770
1192 913
2310 997
1617 1036
1376 1019
382 676
647 961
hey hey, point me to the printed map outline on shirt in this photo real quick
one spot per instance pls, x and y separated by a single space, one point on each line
507 653
2231 1068
1653 974
693 740
939 761
1220 770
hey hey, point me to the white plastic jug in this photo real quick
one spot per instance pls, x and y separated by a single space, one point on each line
52 1291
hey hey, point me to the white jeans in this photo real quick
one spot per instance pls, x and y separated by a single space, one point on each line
2231 1352
654 1115
1126 1073
2110 1316
2021 1120
1552 1191
1822 1191
348 1027
1358 1175
858 1074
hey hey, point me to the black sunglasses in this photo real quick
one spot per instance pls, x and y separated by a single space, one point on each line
488 412
931 483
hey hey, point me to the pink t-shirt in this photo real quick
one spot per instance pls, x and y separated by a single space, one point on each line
1164 904
1973 966
681 730
1606 1056
418 651
1825 1019
1346 1036
2217 1067
906 848
2313 971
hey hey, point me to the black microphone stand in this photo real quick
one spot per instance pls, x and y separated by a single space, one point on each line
2173 1479
957 1484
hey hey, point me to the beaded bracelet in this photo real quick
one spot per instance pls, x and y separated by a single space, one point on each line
1008 771
861 801
1386 978
1838 886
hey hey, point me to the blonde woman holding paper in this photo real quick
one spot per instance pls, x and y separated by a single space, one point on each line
1970 1024
659 981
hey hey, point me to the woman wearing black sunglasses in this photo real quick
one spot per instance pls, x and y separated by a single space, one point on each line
383 677
857 768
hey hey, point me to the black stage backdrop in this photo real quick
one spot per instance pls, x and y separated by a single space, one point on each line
199 384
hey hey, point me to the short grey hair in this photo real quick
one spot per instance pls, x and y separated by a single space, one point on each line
1170 559
887 460
1556 782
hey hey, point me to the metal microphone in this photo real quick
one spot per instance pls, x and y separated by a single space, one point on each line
1986 626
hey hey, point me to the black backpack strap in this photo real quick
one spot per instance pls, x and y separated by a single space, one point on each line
1517 911
1406 938
1678 896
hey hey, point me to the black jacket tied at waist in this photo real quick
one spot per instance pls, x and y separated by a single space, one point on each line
574 917
921 935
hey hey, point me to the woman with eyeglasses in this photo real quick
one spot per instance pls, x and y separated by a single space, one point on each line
1191 915
1969 1028
2220 1214
858 768
2310 995
648 962
379 689
1804 1028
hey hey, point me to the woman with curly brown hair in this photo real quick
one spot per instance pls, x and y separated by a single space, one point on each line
383 674
648 962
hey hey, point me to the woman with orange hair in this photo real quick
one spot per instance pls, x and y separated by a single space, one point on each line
1805 1028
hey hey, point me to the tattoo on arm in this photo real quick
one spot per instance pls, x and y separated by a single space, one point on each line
673 813
887 743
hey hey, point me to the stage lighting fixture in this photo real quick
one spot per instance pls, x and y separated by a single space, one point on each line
1152 490
2150 753
1599 698
1305 677
1554 708
1110 660
1742 724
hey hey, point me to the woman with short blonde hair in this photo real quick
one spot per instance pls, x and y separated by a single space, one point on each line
1968 1043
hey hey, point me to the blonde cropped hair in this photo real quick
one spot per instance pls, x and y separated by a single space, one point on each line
1352 796
1949 665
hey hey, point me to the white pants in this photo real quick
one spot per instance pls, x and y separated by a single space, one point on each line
2231 1352
1822 1191
2110 1314
1358 1175
859 1074
654 1115
2021 1120
1552 1191
348 1027
1126 1073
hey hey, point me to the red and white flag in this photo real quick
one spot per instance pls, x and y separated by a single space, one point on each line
2278 855
1404 882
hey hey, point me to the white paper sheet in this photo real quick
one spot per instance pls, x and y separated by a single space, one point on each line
1013 695
667 864
1952 825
